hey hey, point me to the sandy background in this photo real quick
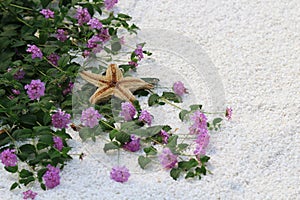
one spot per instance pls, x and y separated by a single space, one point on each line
255 47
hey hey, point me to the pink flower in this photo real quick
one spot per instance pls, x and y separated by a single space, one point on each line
19 75
9 158
168 159
90 117
35 89
58 143
82 15
47 13
200 123
94 23
128 111
16 92
109 4
179 88
119 174
29 194
134 144
62 35
139 52
132 63
35 51
51 177
228 113
165 136
60 119
68 89
53 58
202 142
145 117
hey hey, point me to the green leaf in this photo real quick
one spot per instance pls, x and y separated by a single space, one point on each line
143 161
26 181
116 46
172 142
122 137
204 159
64 60
182 114
195 107
150 150
46 139
216 121
53 153
140 93
190 175
13 169
124 16
41 146
110 146
136 104
187 165
25 173
45 3
43 186
148 132
14 185
28 119
22 133
175 173
182 146
40 173
153 99
112 134
27 148
172 97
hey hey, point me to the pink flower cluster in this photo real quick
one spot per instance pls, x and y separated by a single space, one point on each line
61 119
82 15
35 51
90 117
51 177
134 144
47 13
9 158
167 159
119 174
35 89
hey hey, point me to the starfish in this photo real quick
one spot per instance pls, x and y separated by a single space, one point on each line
114 84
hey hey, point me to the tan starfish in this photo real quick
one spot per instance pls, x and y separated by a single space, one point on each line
113 84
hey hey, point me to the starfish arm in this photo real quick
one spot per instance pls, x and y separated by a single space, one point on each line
113 73
123 93
102 94
134 84
92 78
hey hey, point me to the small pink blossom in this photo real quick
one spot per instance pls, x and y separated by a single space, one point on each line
179 88
47 13
228 113
29 194
119 174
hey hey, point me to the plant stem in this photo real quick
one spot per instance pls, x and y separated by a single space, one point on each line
104 122
17 6
172 104
54 65
24 22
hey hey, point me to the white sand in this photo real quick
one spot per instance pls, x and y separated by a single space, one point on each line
255 47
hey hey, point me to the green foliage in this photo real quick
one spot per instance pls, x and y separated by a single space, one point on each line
184 113
143 161
29 121
155 99
25 124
